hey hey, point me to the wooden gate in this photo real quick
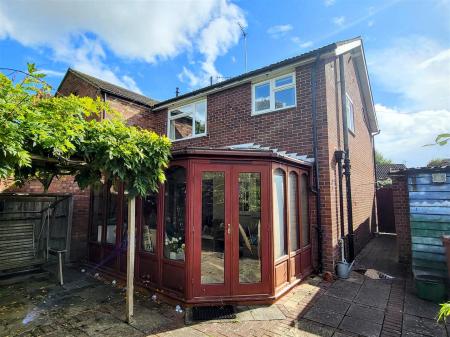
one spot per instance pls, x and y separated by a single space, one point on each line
385 210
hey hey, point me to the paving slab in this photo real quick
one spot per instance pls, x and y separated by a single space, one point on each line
360 326
344 334
418 307
423 326
308 327
332 304
325 317
267 313
148 320
365 313
355 277
343 289
372 297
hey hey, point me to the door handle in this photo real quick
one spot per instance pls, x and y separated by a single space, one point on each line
229 229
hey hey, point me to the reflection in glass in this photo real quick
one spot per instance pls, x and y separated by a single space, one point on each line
213 227
98 208
283 81
249 227
285 98
304 210
111 220
200 118
174 213
181 127
262 97
279 218
293 211
149 212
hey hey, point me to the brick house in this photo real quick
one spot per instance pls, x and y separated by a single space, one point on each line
311 115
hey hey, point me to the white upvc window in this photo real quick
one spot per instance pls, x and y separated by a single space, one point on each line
274 94
350 110
187 121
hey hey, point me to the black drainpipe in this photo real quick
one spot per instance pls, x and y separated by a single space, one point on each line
316 162
339 156
351 247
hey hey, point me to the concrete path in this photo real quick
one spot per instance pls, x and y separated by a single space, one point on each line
358 306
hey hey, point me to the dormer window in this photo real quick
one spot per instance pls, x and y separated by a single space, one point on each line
187 121
275 94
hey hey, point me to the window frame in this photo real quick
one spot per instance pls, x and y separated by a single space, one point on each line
304 182
297 219
193 113
272 90
285 211
350 115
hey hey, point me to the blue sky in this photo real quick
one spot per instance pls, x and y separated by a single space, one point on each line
155 46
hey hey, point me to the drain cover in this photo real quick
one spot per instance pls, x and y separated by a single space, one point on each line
214 312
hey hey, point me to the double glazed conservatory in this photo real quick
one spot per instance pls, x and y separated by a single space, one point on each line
227 226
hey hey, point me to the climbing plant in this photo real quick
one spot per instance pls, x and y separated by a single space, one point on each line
44 135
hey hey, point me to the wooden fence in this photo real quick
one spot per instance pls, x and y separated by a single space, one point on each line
31 224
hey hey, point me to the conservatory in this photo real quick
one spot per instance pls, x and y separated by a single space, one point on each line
229 225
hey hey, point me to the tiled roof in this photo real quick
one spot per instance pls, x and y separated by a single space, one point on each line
262 70
383 170
114 89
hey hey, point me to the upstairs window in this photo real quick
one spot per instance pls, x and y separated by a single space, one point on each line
187 121
275 94
350 114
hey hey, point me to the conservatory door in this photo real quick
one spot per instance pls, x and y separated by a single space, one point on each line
212 223
230 230
249 229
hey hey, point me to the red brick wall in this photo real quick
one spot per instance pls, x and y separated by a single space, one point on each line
400 198
74 85
361 157
229 121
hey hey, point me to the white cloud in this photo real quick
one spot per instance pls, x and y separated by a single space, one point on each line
52 73
329 3
279 30
339 21
140 30
301 43
370 23
404 134
415 68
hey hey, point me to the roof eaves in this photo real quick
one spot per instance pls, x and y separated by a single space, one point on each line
251 74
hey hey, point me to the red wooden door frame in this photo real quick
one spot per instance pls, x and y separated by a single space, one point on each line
219 289
262 287
231 285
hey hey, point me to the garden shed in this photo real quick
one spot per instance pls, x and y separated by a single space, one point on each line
33 226
429 201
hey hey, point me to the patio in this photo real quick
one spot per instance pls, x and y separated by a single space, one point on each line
359 306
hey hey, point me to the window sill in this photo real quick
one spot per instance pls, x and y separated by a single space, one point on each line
257 113
187 138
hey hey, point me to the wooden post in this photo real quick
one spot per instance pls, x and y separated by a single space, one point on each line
130 256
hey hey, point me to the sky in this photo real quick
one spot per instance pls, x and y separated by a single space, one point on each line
152 47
